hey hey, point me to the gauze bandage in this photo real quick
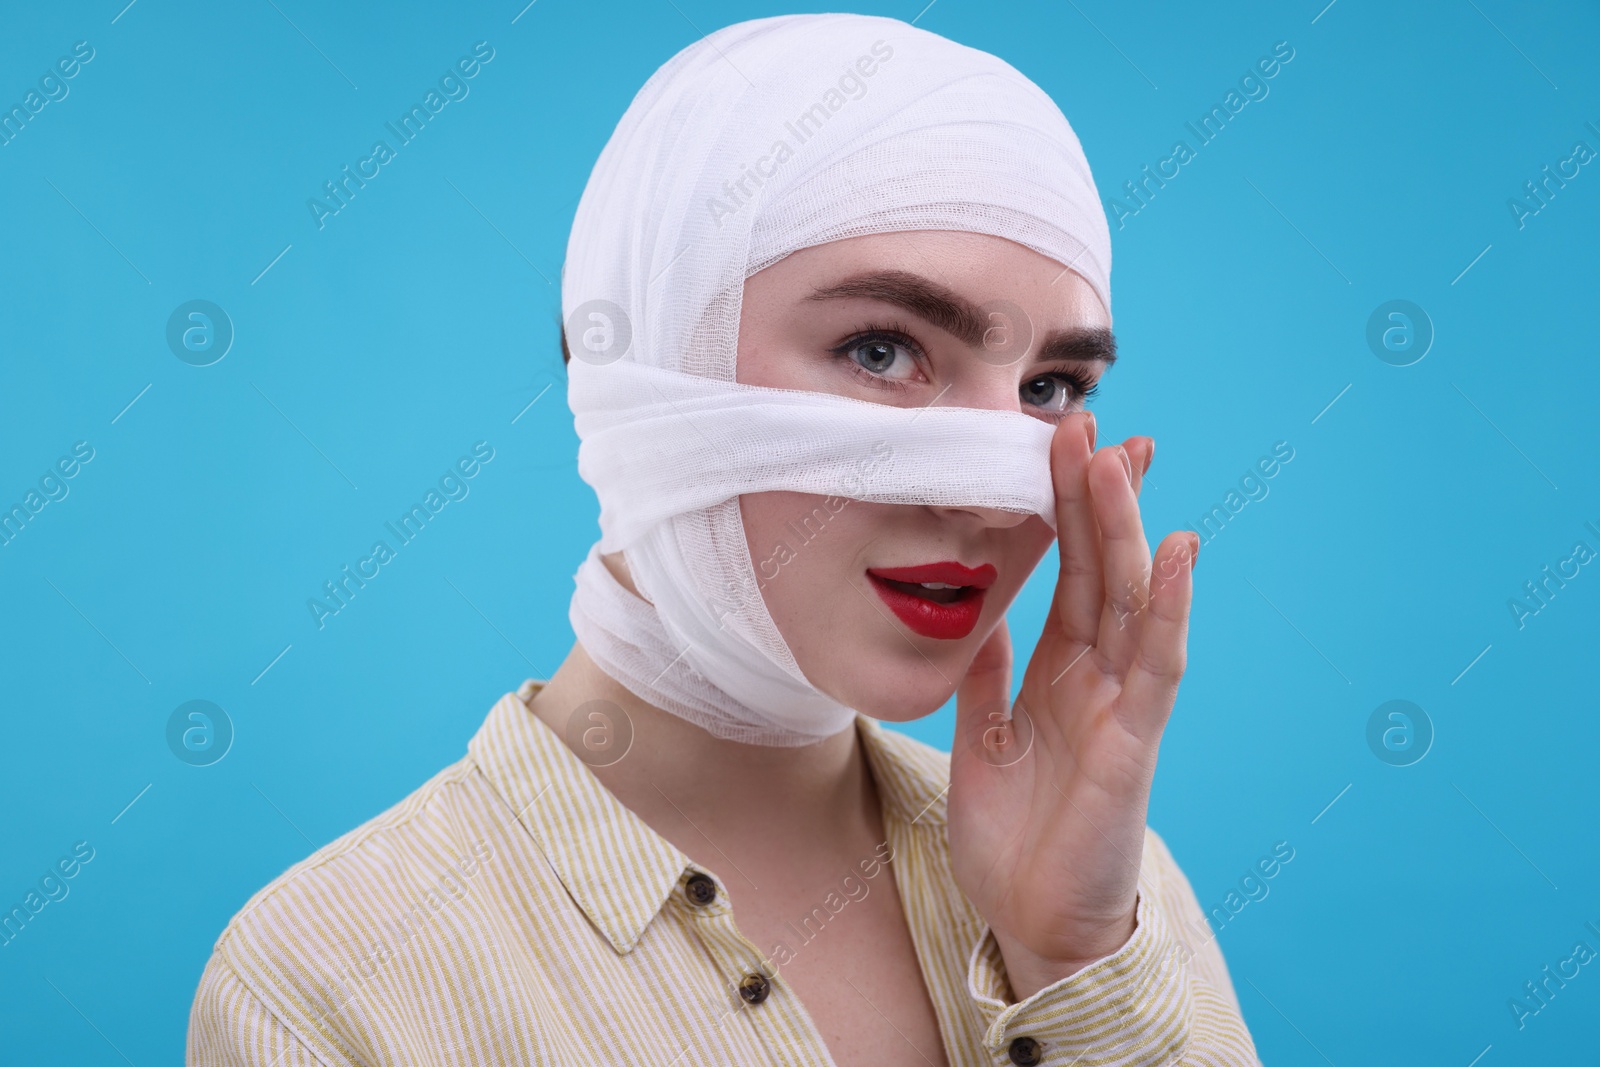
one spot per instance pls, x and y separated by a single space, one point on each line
763 138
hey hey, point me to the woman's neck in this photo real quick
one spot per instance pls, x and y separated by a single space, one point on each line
737 808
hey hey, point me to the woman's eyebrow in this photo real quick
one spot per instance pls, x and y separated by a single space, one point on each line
957 316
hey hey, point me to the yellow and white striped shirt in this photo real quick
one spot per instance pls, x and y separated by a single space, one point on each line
513 911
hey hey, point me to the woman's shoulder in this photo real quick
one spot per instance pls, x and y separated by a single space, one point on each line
380 840
407 845
303 944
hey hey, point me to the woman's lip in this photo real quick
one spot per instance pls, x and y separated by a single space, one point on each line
947 622
947 571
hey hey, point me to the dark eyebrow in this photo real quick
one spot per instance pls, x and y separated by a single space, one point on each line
957 316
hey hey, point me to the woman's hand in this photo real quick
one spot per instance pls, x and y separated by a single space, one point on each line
1047 810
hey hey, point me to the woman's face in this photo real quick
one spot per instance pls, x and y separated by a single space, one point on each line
912 319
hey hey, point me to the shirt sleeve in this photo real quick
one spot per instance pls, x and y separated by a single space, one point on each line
230 1026
1163 999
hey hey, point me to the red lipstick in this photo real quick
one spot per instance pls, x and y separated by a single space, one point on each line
941 612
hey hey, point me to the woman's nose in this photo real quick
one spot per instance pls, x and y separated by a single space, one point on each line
995 517
994 389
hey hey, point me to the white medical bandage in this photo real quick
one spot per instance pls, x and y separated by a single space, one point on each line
700 442
763 138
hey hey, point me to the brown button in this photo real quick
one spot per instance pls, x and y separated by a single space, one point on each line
1025 1052
701 889
754 988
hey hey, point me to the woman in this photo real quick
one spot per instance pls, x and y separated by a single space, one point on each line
836 292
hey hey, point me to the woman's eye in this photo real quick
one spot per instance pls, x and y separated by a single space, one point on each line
890 360
881 356
1047 393
1054 393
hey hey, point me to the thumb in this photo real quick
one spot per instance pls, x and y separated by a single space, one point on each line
983 699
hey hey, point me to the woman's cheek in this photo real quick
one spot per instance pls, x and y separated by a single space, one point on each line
1029 542
795 541
1025 546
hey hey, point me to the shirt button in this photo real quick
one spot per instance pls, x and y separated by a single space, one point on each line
701 890
754 988
1025 1052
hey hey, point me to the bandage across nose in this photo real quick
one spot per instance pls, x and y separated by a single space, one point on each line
657 443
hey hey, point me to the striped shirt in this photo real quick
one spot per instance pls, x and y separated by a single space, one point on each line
513 911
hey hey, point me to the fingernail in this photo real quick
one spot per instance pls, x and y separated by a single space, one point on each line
1127 464
1151 458
1089 415
1194 550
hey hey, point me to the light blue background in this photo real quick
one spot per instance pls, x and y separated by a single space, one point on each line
423 318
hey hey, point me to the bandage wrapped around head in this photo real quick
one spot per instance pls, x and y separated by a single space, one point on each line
760 139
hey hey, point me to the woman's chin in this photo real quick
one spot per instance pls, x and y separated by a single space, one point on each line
898 700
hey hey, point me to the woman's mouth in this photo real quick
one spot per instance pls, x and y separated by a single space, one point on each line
940 600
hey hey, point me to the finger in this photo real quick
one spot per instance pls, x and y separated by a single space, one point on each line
1125 554
983 698
1080 585
1141 450
1151 684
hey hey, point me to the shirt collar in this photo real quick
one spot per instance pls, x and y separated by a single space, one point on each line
578 823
